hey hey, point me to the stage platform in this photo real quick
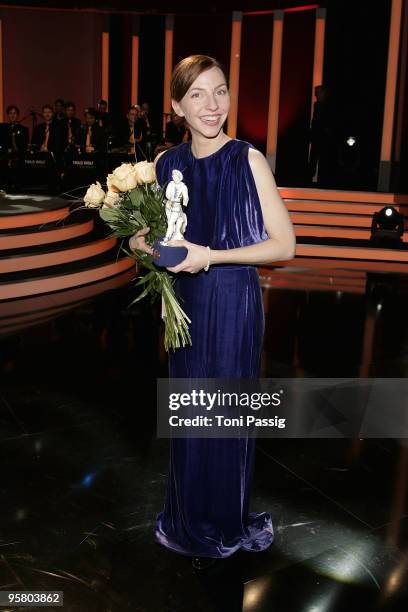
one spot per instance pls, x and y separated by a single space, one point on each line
54 255
330 215
333 249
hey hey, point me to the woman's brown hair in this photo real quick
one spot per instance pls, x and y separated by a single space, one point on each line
186 72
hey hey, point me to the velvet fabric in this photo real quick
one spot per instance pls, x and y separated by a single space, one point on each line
206 510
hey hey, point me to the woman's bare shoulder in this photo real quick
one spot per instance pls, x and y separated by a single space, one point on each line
255 155
258 161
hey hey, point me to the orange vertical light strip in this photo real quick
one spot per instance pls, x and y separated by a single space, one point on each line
105 66
1 73
274 89
390 96
399 128
318 61
168 67
235 58
135 70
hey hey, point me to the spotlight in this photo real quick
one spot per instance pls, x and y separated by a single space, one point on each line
349 161
387 227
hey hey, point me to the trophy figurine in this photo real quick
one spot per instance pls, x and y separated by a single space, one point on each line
176 197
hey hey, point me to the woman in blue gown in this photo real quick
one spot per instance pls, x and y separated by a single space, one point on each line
235 220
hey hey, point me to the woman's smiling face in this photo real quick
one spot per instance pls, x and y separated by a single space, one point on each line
206 104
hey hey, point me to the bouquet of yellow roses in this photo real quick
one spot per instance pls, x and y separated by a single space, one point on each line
134 200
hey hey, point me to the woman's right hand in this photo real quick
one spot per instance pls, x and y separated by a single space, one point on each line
137 241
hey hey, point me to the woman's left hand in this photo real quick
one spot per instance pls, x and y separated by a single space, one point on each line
196 259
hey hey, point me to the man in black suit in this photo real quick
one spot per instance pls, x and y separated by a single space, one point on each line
47 136
13 135
47 139
13 145
59 110
92 137
104 118
324 139
132 135
70 126
145 115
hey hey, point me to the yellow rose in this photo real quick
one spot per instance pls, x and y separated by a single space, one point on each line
94 196
110 185
123 178
111 198
145 172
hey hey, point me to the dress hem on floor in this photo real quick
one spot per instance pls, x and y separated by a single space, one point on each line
260 537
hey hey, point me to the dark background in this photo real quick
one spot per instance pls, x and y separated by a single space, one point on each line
356 46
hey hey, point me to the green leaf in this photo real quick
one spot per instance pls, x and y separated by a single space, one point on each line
136 197
110 215
137 216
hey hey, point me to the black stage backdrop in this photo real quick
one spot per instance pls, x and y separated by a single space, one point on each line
355 69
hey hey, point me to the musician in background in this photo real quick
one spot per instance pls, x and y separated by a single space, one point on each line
91 136
104 118
47 139
59 110
176 131
152 131
13 145
133 133
145 115
70 126
47 136
13 135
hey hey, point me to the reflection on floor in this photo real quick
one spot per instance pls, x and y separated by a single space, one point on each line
83 474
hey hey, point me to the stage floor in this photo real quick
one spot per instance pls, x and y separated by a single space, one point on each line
17 204
83 475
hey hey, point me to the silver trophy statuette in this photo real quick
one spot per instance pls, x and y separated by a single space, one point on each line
167 254
176 198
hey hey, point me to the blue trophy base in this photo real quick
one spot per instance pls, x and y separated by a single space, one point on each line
168 256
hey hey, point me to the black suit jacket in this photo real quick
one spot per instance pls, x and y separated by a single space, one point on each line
20 141
139 132
75 128
106 120
98 137
55 140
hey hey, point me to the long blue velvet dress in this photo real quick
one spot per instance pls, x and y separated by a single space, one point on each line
206 510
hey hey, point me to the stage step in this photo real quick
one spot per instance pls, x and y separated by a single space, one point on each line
73 226
49 255
340 219
56 254
331 219
332 207
349 252
340 233
63 276
26 211
335 195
